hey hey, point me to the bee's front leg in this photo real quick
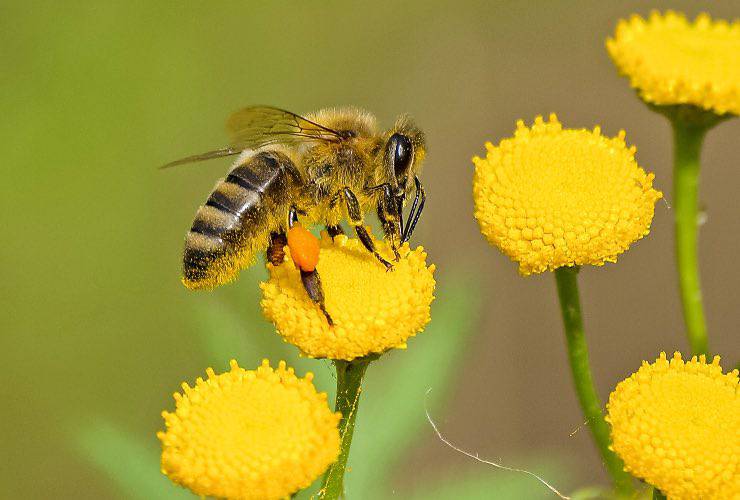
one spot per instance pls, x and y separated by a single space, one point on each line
390 216
390 231
416 208
354 214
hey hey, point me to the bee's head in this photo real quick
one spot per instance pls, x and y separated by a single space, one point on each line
404 153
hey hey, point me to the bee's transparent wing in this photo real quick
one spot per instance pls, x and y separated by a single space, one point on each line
217 153
258 126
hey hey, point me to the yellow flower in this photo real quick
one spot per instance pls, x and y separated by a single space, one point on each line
552 197
670 60
259 434
676 425
373 310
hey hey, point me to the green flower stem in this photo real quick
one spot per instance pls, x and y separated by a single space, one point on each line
349 386
657 495
567 282
688 139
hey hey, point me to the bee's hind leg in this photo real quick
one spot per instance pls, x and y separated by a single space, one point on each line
310 279
312 285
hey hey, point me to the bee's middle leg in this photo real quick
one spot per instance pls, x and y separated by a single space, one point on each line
354 214
334 230
276 249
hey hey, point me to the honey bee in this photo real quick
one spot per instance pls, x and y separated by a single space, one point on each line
323 168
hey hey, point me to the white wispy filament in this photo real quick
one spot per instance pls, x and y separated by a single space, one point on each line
479 459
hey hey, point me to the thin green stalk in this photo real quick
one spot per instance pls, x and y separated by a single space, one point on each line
657 495
687 142
567 282
349 386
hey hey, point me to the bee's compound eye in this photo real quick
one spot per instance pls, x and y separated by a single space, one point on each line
402 153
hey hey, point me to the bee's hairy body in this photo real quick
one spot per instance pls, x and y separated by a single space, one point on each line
237 219
254 200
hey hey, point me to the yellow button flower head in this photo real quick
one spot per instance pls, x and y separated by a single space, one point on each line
670 60
552 197
676 425
259 434
373 310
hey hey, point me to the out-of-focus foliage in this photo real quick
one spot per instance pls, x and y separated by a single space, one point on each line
392 416
96 331
131 462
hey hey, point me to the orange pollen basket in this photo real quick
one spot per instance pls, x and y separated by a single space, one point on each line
304 248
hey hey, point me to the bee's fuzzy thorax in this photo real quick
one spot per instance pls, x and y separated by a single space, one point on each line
362 122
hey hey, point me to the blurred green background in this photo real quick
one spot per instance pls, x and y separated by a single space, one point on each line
97 332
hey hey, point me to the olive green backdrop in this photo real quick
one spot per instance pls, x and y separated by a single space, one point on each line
97 332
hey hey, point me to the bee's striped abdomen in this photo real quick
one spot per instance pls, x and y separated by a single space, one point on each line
236 220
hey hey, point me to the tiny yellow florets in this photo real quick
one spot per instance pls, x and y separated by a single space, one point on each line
249 434
676 425
552 197
373 310
671 60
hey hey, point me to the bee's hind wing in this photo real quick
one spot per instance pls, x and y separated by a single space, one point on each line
216 153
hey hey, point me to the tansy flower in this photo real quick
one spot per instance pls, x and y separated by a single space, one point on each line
373 310
552 197
259 434
670 60
676 425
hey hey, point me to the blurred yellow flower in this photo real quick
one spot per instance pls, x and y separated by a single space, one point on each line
373 310
676 425
670 60
552 197
258 434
